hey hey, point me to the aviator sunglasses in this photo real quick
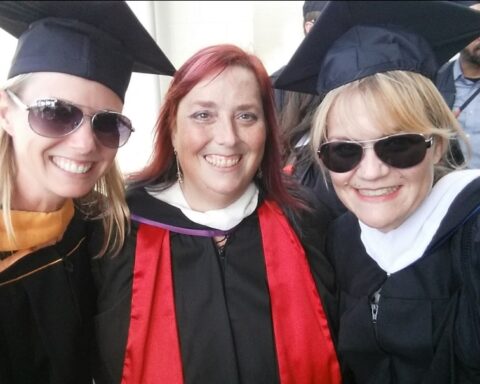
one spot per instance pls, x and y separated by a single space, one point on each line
403 150
55 118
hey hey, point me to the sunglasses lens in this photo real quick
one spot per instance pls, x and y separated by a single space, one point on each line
340 156
54 118
112 129
402 151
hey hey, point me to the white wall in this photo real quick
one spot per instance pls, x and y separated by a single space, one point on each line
270 29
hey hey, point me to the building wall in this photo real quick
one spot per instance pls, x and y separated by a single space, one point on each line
270 29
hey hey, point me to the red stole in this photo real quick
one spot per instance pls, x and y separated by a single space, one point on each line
305 350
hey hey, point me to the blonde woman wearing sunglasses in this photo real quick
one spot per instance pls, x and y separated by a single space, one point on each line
60 128
407 255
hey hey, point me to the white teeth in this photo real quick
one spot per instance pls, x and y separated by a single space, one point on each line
72 166
222 161
377 192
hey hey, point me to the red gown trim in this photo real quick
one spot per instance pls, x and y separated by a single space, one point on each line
153 352
305 350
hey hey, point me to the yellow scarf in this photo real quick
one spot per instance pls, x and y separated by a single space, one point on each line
34 230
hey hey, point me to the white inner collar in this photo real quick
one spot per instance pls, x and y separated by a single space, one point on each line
223 219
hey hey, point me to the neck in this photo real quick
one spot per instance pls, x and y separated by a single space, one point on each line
21 203
205 204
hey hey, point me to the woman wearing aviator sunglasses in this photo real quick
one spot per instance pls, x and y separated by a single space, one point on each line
407 255
61 194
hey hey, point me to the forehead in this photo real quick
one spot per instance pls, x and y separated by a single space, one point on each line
235 80
352 116
71 88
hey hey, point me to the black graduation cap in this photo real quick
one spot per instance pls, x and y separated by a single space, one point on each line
467 3
354 39
313 6
97 40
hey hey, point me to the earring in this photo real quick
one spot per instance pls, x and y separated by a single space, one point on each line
259 173
179 171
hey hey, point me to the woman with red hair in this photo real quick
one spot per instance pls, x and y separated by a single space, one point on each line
214 285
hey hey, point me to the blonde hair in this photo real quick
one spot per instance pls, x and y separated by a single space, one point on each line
105 202
408 98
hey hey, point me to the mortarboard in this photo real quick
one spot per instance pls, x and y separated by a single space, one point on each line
467 3
354 39
313 6
101 41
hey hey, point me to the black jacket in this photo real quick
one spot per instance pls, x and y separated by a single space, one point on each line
47 303
221 299
446 85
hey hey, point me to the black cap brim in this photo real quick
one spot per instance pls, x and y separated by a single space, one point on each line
108 24
445 26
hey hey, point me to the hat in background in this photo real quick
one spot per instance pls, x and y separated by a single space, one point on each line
101 41
313 6
351 40
467 3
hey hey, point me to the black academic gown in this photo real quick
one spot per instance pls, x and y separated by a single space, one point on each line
46 317
221 300
428 315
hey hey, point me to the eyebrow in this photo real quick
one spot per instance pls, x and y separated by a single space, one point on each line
211 104
250 106
204 104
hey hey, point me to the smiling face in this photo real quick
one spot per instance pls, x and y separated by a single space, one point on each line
50 170
381 196
220 138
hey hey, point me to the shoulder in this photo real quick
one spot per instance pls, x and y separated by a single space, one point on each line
468 311
445 74
446 68
312 220
345 224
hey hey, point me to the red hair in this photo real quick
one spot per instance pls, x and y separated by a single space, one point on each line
207 62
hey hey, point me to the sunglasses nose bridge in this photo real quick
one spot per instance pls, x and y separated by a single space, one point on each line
88 137
371 165
86 118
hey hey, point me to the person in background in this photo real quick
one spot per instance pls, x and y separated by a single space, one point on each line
459 83
311 12
60 128
214 275
295 112
407 254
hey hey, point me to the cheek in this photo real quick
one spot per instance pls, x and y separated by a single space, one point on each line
173 137
256 140
339 179
423 181
340 182
110 155
188 138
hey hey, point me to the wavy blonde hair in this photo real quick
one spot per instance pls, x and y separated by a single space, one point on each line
408 98
105 202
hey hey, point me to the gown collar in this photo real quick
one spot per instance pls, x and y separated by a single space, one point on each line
222 219
33 229
399 248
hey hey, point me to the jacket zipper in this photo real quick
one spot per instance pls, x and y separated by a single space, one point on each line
374 307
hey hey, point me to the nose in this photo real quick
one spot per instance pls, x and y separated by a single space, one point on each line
225 132
83 138
371 167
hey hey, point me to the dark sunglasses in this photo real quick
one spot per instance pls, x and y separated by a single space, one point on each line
57 118
403 150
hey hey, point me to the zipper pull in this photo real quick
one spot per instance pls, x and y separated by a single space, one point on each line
374 300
